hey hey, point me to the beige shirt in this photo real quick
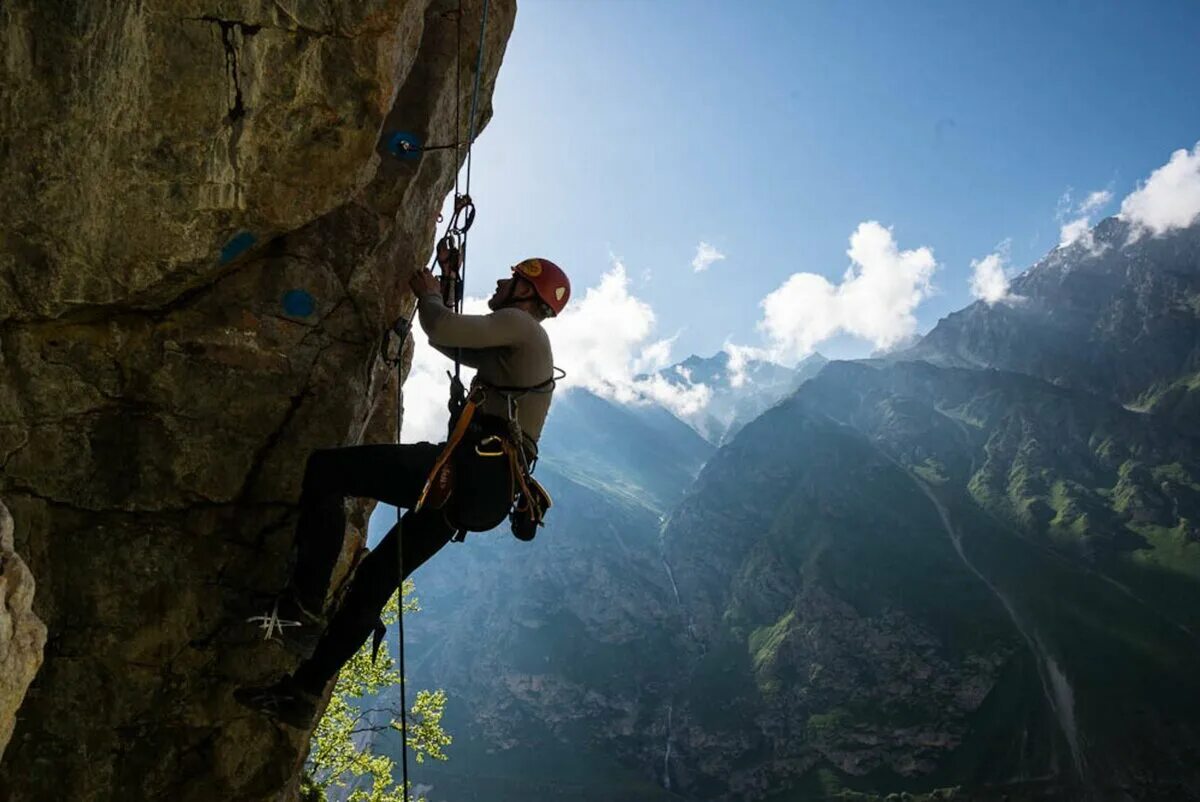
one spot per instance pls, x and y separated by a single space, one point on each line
508 348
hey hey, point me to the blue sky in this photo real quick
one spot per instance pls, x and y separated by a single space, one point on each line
775 130
639 128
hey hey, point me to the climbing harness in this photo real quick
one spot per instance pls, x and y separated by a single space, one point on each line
533 502
527 501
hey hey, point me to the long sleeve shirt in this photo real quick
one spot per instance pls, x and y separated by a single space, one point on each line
508 348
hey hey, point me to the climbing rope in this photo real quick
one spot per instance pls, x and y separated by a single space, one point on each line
456 238
451 255
400 657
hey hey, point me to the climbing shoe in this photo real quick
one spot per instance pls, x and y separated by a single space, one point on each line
285 701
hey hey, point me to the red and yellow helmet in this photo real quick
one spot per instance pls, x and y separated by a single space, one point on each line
549 281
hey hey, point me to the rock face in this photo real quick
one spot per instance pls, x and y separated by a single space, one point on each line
22 634
202 240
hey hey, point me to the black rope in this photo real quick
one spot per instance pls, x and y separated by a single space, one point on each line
400 637
457 394
400 658
401 330
458 95
475 92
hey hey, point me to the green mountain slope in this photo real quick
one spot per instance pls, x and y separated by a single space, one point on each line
872 567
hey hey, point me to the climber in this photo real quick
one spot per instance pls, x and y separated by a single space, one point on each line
509 397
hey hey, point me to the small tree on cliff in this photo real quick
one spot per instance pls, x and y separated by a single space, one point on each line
341 756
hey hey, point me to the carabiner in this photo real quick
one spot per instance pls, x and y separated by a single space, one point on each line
463 203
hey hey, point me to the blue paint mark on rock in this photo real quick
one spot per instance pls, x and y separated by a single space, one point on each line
298 303
404 145
237 246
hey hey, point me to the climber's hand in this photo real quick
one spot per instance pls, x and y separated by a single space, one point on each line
423 283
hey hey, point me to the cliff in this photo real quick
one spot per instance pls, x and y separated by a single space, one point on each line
202 242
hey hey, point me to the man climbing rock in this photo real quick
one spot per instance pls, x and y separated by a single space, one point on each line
467 484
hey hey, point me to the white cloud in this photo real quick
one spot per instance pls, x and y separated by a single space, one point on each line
1077 231
989 277
875 300
600 335
1065 205
427 388
654 357
705 256
603 341
739 357
683 400
1170 197
1095 201
1076 219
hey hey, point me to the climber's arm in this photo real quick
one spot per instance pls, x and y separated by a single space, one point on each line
449 330
467 356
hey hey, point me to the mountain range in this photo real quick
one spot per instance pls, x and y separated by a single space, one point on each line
740 389
968 570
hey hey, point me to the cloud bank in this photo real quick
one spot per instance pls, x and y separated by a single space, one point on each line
605 342
875 300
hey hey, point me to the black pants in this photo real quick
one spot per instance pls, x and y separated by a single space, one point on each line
393 474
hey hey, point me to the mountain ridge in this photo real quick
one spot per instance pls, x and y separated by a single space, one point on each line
741 388
964 566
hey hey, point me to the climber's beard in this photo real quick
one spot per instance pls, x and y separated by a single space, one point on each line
503 295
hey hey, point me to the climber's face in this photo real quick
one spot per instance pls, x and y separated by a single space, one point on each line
509 291
500 296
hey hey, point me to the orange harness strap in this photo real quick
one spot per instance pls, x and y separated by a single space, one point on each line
536 500
456 436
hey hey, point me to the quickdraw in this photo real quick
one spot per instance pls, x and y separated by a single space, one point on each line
450 253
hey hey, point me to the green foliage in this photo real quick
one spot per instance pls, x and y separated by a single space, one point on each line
765 641
337 761
832 721
932 471
764 648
